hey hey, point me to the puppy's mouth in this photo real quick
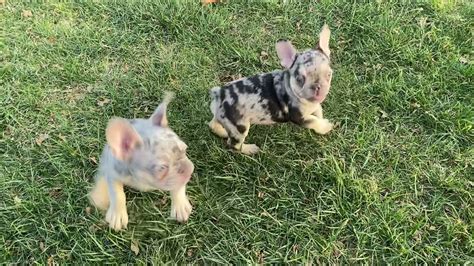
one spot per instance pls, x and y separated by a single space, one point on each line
185 172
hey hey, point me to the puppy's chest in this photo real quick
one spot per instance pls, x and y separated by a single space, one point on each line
307 108
138 183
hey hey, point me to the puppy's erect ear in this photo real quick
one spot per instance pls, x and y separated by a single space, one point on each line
324 40
286 52
122 138
159 116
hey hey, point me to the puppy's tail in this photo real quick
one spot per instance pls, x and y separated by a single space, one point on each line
215 95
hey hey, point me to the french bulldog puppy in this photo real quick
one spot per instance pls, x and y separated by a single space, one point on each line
294 94
144 154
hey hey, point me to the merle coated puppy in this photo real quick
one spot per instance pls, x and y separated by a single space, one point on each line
294 94
145 154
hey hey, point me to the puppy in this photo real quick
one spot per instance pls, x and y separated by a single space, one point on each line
144 154
294 94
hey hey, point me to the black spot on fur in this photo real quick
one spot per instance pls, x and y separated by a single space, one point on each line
241 128
222 94
233 95
296 116
308 59
239 85
256 81
269 92
252 106
285 97
232 113
233 141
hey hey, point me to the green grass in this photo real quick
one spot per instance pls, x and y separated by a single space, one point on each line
393 182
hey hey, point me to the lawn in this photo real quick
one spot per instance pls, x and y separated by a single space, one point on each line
393 182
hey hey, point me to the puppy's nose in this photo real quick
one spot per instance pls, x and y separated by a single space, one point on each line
316 87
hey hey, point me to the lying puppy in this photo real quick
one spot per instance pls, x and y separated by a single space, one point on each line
294 94
144 154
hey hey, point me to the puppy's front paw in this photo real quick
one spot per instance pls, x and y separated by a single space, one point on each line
117 217
324 127
181 209
249 149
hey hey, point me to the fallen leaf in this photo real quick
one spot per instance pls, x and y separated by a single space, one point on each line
417 236
94 160
42 247
337 249
336 253
17 200
260 257
415 104
261 194
52 40
263 57
229 78
298 25
207 2
384 114
50 261
463 60
103 102
134 247
55 192
296 248
2 2
422 21
63 138
125 68
94 228
163 201
190 252
26 13
88 210
41 138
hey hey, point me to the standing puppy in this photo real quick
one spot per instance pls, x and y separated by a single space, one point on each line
294 94
144 154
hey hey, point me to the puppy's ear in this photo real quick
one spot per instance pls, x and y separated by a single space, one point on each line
159 116
122 138
286 52
324 40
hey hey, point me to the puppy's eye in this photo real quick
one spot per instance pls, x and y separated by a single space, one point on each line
300 80
163 171
329 74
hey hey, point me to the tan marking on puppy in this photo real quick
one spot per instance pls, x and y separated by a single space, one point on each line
99 196
218 129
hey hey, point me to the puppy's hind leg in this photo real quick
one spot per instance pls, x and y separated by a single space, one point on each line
237 135
214 124
217 128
